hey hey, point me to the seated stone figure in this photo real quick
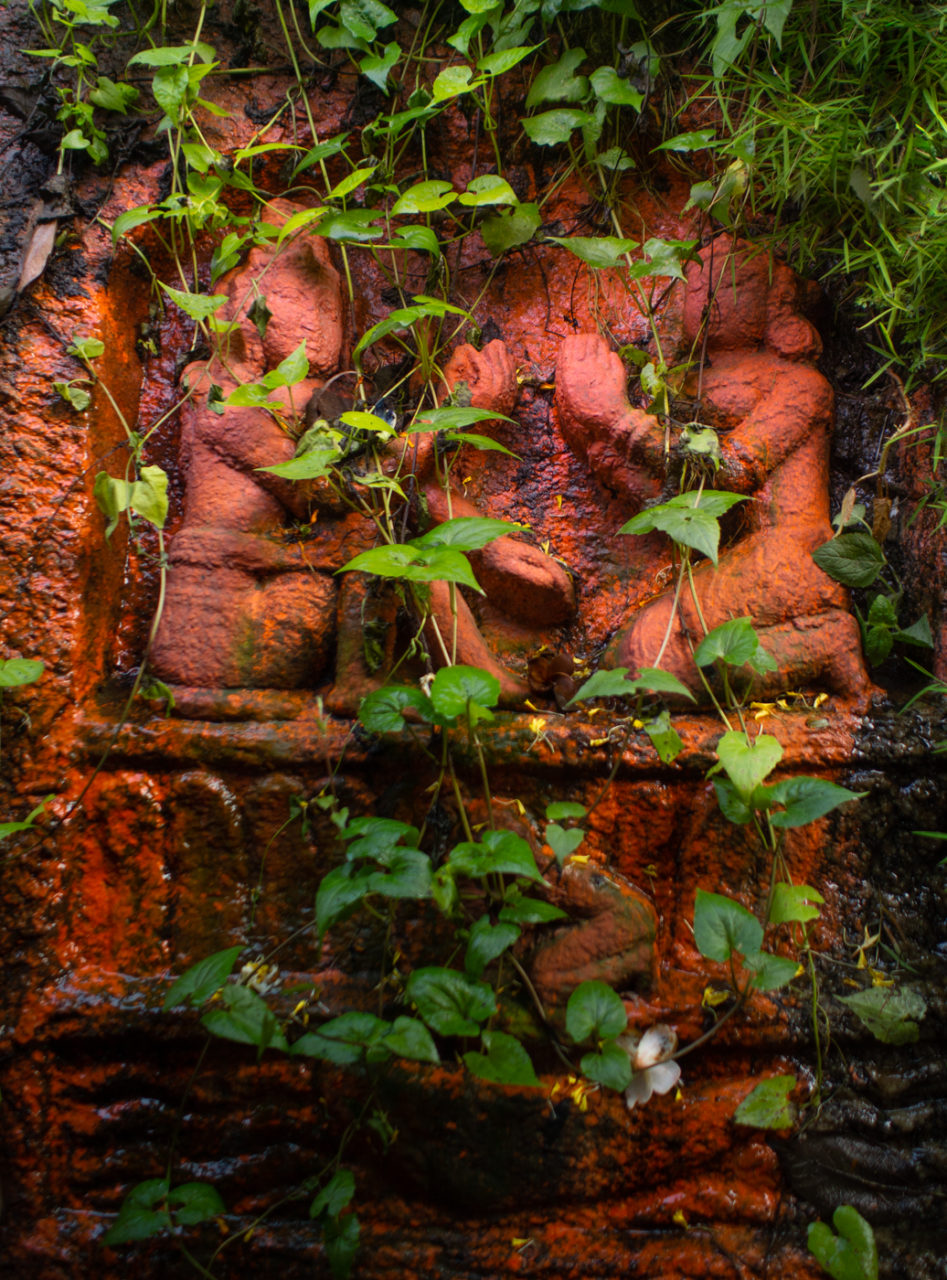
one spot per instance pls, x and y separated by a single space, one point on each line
247 607
521 581
759 388
243 607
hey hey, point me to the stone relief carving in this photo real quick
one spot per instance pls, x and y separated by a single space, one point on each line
773 409
247 607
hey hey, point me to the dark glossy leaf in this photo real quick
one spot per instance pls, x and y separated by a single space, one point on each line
505 1062
142 1213
486 942
497 853
245 1018
409 1038
449 1002
855 559
595 1012
454 687
805 799
722 927
338 895
382 710
335 1195
194 1202
203 979
611 1067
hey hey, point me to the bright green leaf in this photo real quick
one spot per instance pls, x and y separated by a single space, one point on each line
722 927
768 1106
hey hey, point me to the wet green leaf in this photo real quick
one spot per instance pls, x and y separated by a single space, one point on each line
595 1012
854 559
805 799
143 1213
747 764
453 418
850 1255
19 671
245 1018
425 197
597 251
794 903
488 189
510 229
562 841
768 1106
496 853
722 927
558 81
611 1067
505 1061
564 809
203 979
890 1013
449 1002
486 942
664 737
550 128
770 972
382 710
455 688
335 1195
466 533
611 88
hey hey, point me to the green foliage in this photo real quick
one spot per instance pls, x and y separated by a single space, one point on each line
155 1206
15 672
504 1062
203 980
451 1003
595 1012
852 1253
691 519
889 1013
767 1106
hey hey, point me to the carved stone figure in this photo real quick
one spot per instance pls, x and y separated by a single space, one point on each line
521 581
773 410
249 607
244 608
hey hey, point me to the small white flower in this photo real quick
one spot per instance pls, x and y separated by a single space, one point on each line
653 1073
425 682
